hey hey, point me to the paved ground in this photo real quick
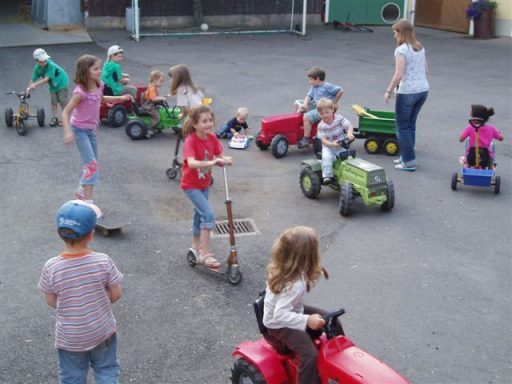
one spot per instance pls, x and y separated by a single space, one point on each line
426 287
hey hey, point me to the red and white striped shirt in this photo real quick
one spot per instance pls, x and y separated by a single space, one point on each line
84 316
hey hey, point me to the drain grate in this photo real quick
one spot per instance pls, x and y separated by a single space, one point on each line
241 227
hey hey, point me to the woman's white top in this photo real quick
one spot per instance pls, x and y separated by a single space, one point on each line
414 79
286 309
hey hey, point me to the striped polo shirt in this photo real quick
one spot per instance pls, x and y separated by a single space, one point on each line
84 316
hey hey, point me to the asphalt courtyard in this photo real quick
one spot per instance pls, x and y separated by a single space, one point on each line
426 287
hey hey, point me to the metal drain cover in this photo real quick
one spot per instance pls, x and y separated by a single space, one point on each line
241 227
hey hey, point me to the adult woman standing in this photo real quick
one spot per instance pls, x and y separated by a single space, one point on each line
411 78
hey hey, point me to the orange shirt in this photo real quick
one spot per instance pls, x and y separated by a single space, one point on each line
150 93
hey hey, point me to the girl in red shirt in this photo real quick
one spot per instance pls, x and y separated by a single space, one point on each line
201 151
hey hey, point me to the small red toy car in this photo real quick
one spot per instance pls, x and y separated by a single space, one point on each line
339 360
280 131
115 112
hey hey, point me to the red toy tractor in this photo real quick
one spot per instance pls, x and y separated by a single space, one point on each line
339 360
116 112
280 131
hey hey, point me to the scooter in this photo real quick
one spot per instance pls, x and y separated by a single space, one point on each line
340 361
231 269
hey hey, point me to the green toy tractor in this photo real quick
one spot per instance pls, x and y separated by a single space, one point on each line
139 123
353 177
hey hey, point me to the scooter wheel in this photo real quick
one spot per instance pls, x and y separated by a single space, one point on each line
234 276
191 258
171 173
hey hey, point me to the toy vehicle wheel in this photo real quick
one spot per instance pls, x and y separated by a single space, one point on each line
244 372
171 173
234 275
116 116
136 129
372 145
309 182
261 145
40 117
20 127
191 258
279 146
8 117
390 147
390 197
455 179
346 198
497 182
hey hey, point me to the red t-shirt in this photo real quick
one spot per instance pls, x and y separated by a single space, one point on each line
201 150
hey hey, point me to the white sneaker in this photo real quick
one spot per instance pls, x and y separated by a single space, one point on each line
397 161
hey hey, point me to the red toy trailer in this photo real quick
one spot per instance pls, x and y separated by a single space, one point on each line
115 112
280 131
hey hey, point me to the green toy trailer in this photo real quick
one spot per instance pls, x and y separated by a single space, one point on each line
354 177
378 130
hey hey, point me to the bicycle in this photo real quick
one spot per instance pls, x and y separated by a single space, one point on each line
23 113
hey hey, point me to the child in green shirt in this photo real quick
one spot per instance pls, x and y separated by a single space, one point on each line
46 71
115 80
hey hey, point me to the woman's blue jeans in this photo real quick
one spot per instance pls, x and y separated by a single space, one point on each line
87 145
407 108
204 217
74 366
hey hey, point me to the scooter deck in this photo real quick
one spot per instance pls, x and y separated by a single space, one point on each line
109 225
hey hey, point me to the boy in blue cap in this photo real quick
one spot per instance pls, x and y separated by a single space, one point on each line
82 285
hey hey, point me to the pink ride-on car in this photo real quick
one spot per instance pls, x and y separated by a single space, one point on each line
280 131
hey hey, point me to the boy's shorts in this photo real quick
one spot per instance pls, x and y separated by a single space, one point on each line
60 97
313 116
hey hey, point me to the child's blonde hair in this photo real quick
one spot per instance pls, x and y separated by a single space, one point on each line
193 118
242 112
155 74
180 76
82 70
324 103
295 253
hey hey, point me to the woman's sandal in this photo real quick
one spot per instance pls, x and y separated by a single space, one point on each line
209 261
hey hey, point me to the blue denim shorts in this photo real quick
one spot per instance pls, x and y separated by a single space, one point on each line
313 116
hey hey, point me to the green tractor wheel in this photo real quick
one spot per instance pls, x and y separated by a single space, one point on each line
372 145
346 198
390 197
390 147
310 182
136 129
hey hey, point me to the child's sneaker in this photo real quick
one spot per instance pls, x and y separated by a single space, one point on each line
54 122
303 143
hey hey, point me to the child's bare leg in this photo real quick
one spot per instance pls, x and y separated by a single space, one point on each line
307 127
196 242
54 111
88 189
204 241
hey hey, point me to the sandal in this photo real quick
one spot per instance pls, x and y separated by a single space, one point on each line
54 122
209 261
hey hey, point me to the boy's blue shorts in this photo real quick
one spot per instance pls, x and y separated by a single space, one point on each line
313 116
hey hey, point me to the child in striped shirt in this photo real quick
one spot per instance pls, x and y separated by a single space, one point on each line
82 285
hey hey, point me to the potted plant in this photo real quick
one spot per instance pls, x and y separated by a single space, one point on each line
482 14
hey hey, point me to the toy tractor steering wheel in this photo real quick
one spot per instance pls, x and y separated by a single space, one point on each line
345 143
330 322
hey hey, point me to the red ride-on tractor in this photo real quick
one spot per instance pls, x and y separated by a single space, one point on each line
280 131
115 113
339 360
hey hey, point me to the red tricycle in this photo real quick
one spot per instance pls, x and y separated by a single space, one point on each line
116 112
278 132
339 360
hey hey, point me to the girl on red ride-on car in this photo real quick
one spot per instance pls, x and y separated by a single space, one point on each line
477 127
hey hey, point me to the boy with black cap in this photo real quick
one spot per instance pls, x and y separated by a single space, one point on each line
82 285
46 71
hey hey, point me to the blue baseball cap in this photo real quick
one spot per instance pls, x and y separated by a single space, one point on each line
78 216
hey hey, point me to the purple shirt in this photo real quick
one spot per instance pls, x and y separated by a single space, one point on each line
86 114
84 316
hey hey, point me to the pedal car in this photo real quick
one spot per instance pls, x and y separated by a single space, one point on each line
115 112
478 169
280 131
353 177
140 121
23 113
378 130
339 359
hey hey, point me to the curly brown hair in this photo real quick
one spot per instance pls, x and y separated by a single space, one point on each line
295 253
193 117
